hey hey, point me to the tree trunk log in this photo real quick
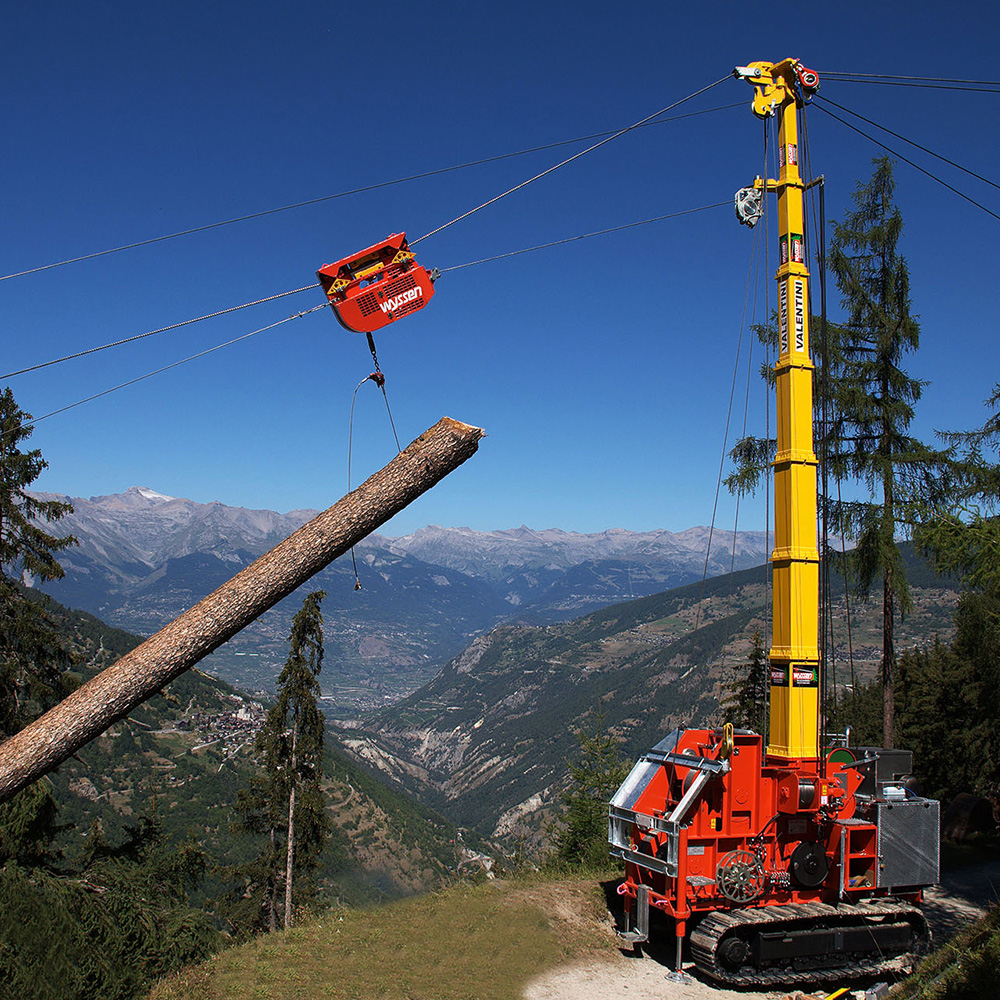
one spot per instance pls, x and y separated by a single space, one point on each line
138 675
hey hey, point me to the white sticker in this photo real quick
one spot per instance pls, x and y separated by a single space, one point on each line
800 314
783 317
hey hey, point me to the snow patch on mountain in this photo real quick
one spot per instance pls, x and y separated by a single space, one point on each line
151 494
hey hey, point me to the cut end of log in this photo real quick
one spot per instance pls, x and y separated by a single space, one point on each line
448 425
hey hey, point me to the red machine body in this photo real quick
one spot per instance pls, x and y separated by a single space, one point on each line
376 286
787 872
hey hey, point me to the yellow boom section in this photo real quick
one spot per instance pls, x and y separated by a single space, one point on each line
794 655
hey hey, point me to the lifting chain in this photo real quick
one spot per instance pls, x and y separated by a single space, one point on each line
376 376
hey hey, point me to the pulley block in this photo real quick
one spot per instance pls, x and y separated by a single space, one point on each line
808 79
749 204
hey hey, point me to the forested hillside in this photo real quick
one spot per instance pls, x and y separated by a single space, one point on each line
150 802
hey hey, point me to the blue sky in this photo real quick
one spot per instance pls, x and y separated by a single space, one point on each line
601 370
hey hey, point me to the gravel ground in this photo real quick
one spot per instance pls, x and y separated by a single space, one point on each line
962 897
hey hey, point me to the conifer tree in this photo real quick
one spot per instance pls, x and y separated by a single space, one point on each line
963 534
250 904
945 706
106 927
33 658
872 401
285 803
300 745
107 923
582 837
745 701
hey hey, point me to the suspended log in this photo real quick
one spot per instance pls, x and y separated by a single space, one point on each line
138 675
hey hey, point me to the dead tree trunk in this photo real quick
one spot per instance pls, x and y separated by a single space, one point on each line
138 675
290 839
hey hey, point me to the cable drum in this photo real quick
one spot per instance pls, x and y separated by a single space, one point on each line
810 865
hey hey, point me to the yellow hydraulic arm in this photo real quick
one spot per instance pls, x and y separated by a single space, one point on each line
794 654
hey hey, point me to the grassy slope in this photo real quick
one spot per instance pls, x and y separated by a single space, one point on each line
963 969
443 946
446 946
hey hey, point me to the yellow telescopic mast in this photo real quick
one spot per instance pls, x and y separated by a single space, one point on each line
794 654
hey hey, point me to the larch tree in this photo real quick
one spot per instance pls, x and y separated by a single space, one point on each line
872 404
963 534
581 836
298 718
745 699
251 903
865 440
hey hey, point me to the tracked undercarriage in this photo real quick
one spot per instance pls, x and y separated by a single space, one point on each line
810 942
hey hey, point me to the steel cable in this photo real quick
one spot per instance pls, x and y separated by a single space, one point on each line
866 77
358 190
916 166
768 475
916 82
925 86
608 137
725 438
305 288
585 236
150 333
175 364
923 149
570 159
645 121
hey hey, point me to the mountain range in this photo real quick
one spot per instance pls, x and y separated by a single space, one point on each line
143 557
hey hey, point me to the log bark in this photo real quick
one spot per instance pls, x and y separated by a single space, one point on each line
138 675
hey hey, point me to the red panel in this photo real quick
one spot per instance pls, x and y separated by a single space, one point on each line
376 286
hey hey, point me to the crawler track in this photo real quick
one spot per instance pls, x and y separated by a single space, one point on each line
807 943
